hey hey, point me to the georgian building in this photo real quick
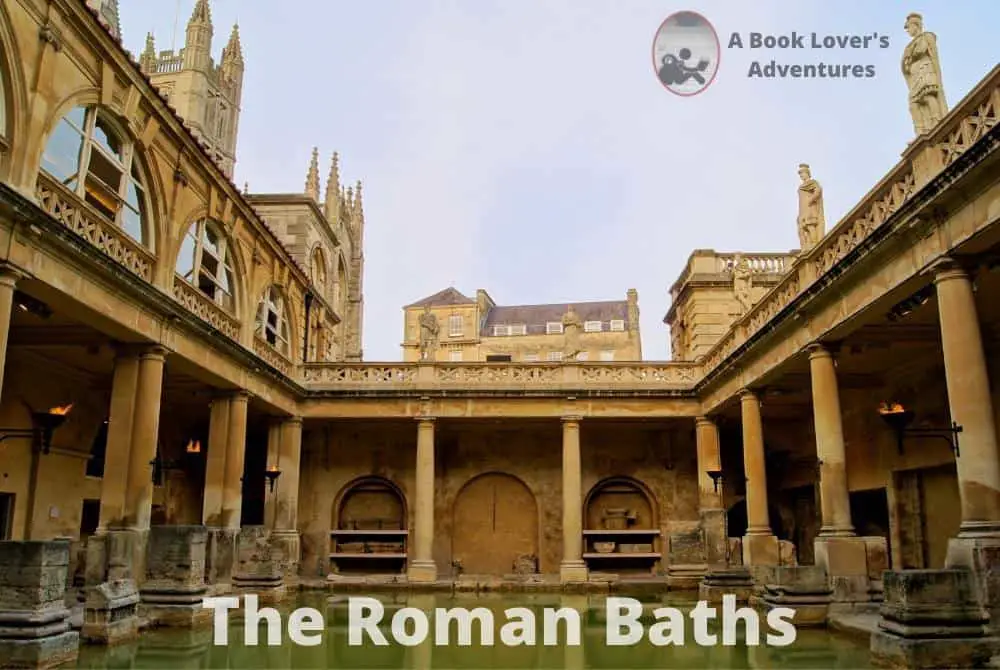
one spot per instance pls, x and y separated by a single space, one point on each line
183 360
480 330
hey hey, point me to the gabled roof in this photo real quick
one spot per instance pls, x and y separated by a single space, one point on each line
448 296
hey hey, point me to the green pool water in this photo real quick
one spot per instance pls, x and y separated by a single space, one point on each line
171 648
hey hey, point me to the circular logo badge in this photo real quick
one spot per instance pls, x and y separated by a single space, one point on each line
686 53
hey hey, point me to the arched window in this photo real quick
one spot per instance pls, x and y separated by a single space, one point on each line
205 262
340 288
97 162
272 320
318 267
3 97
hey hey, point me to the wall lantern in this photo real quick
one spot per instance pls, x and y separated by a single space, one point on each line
716 476
43 424
898 418
271 475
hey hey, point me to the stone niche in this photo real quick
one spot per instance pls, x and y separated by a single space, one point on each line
175 576
34 621
369 530
621 528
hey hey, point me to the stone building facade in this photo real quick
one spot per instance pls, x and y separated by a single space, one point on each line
835 407
451 327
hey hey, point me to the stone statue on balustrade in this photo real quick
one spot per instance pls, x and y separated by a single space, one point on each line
428 334
922 71
812 220
743 283
571 332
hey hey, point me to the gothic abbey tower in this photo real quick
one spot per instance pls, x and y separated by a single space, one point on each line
205 94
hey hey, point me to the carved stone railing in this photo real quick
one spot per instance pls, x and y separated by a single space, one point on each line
758 263
500 376
198 304
66 208
966 124
272 356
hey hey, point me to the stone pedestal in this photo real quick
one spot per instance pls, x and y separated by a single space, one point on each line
803 588
686 560
713 525
288 548
932 619
111 613
220 559
981 555
845 560
258 566
175 576
721 580
760 550
34 620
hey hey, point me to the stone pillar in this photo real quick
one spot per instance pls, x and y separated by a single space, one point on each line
220 547
970 402
977 546
232 495
286 501
760 546
215 461
839 552
421 564
835 501
124 386
145 435
175 577
572 568
711 508
34 628
8 281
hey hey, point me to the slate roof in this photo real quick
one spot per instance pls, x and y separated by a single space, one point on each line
448 296
534 317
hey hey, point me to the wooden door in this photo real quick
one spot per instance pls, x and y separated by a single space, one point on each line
496 520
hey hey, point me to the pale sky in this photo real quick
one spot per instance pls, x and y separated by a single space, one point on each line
527 147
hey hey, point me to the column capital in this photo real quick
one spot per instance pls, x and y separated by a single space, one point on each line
820 350
151 352
704 421
572 419
947 268
9 276
291 421
423 419
747 393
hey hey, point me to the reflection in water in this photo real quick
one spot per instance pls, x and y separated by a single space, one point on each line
176 649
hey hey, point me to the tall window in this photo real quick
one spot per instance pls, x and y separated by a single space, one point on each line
3 100
272 320
455 325
205 262
91 158
319 270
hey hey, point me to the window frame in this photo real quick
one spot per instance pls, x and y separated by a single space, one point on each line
128 164
617 325
224 263
607 355
554 357
452 330
589 327
452 353
274 298
530 357
553 328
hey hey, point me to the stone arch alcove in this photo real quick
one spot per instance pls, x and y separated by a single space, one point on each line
368 527
607 500
495 524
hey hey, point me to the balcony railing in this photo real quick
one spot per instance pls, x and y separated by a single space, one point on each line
66 208
272 356
501 376
198 304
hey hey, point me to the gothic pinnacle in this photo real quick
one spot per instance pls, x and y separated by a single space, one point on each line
333 187
312 178
234 49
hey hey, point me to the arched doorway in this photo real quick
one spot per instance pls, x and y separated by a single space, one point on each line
495 523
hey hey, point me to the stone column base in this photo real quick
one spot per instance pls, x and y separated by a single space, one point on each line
981 555
111 613
422 572
289 547
174 587
932 619
220 556
760 550
46 652
845 561
725 580
573 571
685 576
258 570
802 588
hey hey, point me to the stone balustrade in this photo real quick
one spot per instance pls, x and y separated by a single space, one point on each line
374 377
